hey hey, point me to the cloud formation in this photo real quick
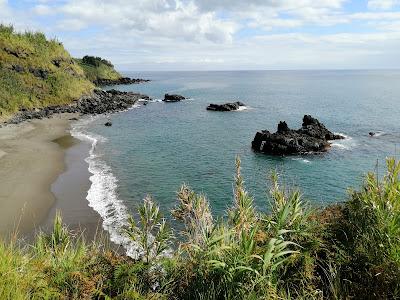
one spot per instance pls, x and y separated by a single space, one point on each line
224 34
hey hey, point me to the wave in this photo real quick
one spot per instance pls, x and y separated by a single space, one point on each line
300 159
242 108
379 133
102 195
346 144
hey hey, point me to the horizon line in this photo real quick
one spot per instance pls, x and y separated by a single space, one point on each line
264 70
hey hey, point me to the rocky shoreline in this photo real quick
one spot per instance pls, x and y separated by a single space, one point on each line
312 137
122 80
99 102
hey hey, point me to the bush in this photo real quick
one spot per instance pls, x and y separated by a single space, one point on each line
348 251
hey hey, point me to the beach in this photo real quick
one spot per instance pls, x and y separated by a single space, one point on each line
42 170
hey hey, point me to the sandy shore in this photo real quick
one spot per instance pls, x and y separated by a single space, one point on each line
70 189
31 159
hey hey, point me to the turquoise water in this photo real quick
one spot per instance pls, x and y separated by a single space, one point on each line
153 149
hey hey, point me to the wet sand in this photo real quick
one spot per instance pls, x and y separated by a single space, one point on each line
70 190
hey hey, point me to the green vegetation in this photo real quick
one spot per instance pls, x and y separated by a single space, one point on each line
348 251
96 68
36 72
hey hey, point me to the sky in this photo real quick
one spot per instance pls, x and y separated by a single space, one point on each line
152 35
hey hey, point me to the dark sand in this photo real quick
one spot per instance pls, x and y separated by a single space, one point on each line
70 190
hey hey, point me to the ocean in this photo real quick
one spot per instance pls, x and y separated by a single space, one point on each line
153 149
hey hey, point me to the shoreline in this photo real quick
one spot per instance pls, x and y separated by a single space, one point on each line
31 161
37 159
45 167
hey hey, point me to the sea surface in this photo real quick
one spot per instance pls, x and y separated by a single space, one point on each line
153 149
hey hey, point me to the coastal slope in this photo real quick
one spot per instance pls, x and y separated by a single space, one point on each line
36 72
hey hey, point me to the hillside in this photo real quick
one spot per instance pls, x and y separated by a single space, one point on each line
36 72
97 69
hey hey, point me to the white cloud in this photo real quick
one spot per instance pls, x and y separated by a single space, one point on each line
224 34
382 4
42 9
164 18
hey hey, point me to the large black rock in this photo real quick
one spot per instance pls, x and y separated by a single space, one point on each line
173 98
225 107
312 137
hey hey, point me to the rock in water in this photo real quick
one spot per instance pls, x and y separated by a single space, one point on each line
310 138
225 107
108 124
173 98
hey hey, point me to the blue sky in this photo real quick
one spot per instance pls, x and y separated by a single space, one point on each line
220 35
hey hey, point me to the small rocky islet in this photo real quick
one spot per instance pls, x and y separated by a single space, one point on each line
173 98
312 137
231 106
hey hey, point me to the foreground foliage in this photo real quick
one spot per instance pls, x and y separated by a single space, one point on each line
348 251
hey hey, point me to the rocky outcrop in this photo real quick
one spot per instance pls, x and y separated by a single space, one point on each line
40 73
122 80
225 107
173 98
99 102
312 137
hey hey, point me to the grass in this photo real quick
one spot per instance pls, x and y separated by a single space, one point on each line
96 68
349 251
36 72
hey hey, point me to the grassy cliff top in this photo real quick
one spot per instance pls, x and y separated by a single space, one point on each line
36 72
96 68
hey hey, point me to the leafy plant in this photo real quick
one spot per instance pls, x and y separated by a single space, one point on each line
153 235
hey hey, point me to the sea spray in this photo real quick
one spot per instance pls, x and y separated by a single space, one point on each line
102 195
346 144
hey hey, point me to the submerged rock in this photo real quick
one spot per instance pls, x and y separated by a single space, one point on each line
173 98
312 137
225 107
108 124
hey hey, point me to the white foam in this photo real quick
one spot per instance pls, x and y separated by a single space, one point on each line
346 144
379 133
302 160
102 195
242 108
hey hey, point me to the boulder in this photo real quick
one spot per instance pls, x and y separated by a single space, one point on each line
18 68
40 73
173 98
225 107
108 124
312 137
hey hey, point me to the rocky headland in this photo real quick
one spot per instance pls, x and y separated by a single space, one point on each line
226 107
119 81
312 137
